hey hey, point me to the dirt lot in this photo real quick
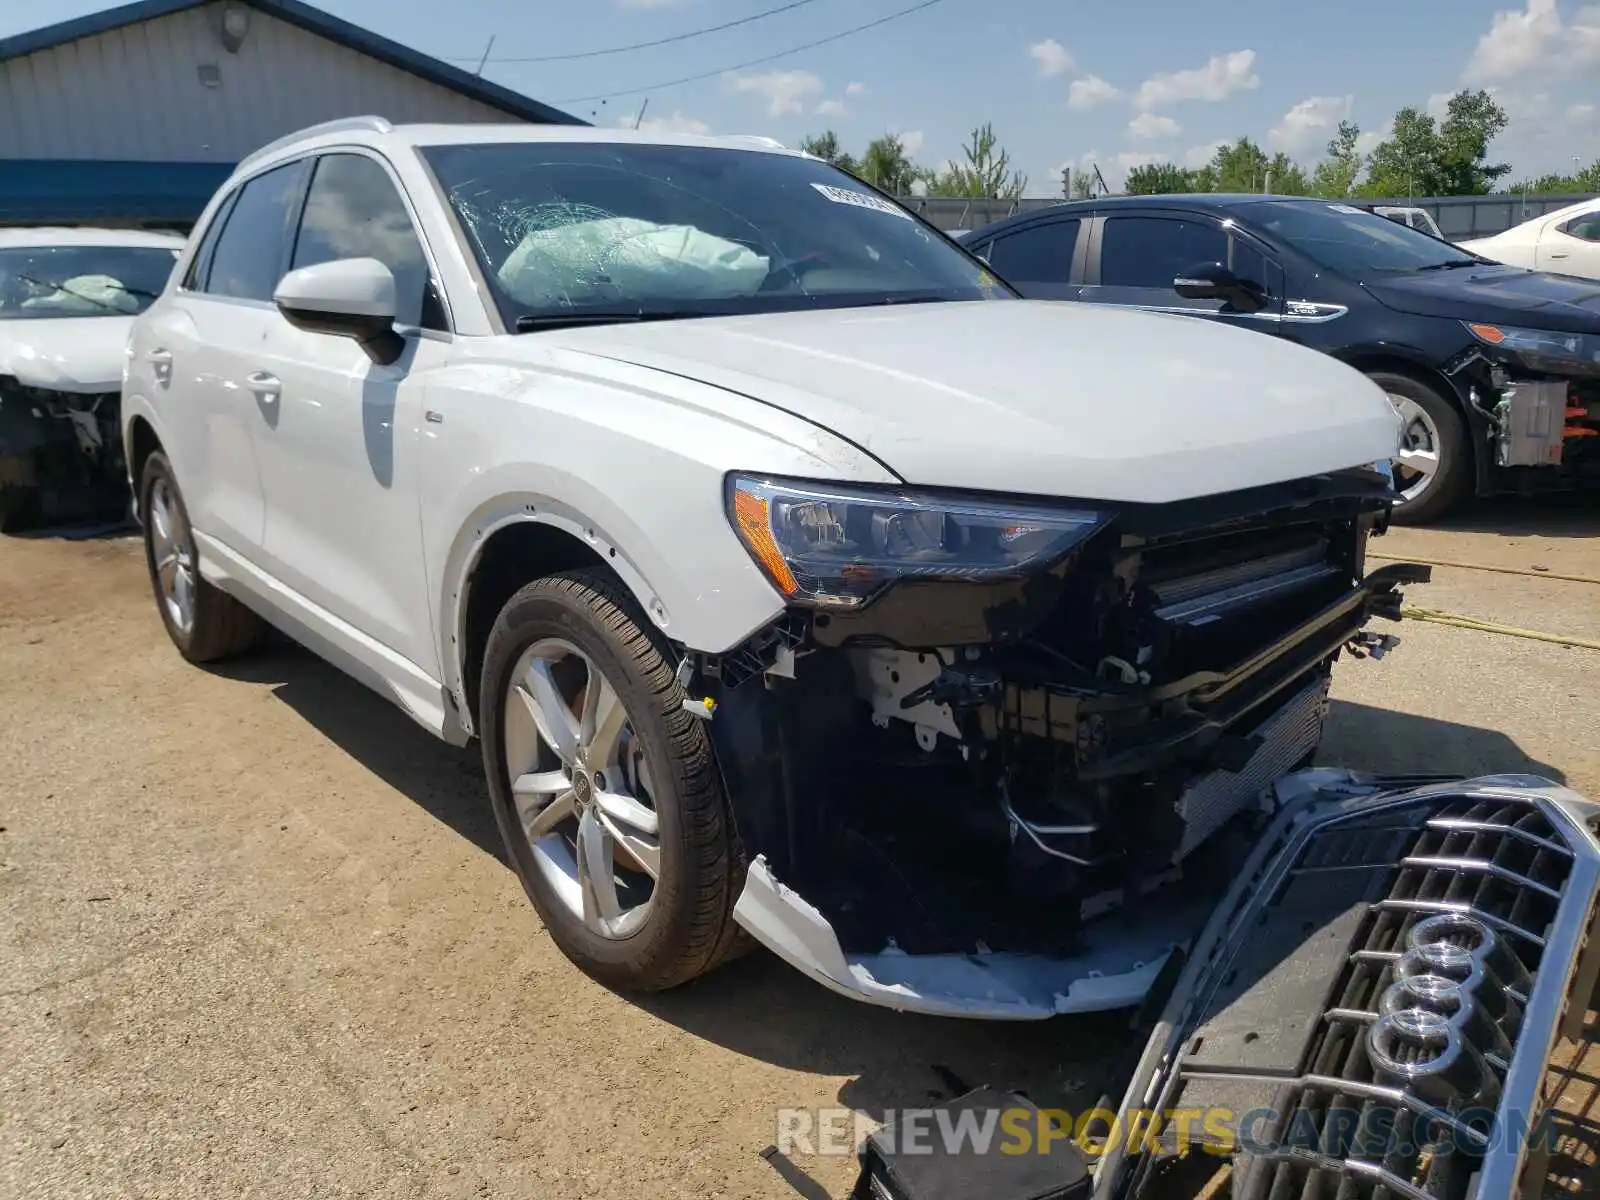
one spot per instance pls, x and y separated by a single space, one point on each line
256 938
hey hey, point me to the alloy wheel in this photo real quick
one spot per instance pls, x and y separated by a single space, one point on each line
172 556
581 788
1418 462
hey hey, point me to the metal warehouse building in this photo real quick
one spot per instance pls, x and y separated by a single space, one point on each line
135 115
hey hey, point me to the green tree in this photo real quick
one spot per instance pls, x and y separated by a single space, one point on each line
1285 177
825 145
1471 122
1335 176
1407 163
1157 179
987 171
1240 167
887 166
1428 158
1205 179
1586 180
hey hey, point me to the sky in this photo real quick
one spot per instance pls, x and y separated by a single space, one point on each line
1064 82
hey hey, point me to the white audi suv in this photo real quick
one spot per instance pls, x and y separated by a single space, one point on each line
798 579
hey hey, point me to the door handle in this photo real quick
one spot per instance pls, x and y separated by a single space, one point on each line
161 361
1559 254
265 386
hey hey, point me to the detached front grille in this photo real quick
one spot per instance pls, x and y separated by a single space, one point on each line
1468 908
1385 994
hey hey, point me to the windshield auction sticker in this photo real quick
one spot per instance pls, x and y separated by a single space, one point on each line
841 195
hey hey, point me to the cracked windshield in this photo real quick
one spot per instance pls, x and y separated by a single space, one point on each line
658 230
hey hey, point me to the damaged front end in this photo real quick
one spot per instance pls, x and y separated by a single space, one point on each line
976 782
61 454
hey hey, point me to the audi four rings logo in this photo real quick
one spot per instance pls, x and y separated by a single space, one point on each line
1454 1007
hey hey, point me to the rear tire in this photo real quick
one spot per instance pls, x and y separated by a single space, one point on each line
686 927
1431 418
204 623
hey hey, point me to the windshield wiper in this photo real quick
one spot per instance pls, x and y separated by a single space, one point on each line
1450 265
531 322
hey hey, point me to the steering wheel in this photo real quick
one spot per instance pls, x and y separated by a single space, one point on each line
790 270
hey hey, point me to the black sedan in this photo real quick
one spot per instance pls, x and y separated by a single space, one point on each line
1495 370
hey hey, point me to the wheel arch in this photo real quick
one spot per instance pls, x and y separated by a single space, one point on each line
141 437
511 552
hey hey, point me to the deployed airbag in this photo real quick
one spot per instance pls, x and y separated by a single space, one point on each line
624 257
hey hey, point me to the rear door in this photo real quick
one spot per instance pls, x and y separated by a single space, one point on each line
196 351
1571 247
1134 257
1043 260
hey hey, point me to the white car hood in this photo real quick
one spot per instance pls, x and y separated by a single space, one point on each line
1039 398
65 354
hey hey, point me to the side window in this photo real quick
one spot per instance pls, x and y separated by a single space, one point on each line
1586 228
1245 261
1038 254
1149 252
200 265
247 261
354 211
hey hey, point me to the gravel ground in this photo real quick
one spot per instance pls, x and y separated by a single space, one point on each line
256 937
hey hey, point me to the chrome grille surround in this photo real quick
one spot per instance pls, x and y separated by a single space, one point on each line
1513 856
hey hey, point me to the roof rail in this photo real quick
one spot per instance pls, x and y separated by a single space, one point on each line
369 123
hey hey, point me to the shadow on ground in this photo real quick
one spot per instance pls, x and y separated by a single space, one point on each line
1395 743
759 1007
1565 515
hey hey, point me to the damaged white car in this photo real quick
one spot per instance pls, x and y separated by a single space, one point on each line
67 300
798 579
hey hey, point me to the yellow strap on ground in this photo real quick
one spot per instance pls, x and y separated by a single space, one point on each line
1439 562
1455 619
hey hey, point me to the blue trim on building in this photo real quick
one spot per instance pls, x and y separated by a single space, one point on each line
313 20
65 192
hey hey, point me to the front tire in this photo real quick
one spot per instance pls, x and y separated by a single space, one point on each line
605 790
1434 471
205 624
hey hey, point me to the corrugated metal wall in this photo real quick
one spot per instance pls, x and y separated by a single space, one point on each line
136 93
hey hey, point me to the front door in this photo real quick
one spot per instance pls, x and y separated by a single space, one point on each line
1141 254
339 440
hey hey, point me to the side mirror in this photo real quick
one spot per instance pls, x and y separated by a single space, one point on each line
1213 281
348 297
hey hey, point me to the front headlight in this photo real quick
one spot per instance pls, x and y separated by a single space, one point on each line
835 547
1543 350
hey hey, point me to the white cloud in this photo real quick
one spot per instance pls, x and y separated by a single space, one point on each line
1092 92
1221 77
1438 106
1148 127
1196 157
856 88
1536 40
1369 141
913 141
832 108
677 122
1052 57
785 92
1310 123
